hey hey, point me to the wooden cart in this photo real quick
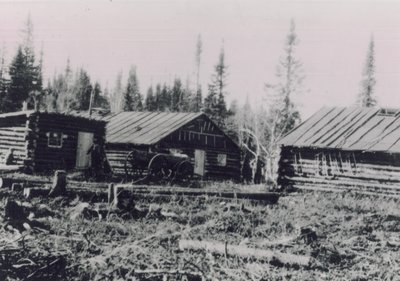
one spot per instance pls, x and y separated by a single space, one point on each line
158 168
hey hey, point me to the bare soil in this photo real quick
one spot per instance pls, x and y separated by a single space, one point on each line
357 238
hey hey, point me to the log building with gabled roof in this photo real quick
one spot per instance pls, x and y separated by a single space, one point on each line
344 149
44 141
213 154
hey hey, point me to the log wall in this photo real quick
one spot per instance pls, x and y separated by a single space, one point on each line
308 168
13 134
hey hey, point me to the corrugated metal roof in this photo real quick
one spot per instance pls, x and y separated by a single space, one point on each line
145 128
352 128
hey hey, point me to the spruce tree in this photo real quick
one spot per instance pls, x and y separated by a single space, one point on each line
290 77
81 92
158 97
196 101
366 97
151 102
164 102
177 96
214 103
3 82
117 95
281 114
100 99
25 74
21 83
133 100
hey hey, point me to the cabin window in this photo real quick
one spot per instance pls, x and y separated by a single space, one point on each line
221 160
54 139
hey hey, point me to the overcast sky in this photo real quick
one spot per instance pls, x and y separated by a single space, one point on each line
159 37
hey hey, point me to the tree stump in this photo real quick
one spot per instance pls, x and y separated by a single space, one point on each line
59 186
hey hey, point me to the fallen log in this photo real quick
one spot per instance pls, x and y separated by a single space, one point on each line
165 273
266 197
275 258
117 192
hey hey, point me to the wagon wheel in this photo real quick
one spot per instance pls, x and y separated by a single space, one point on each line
132 170
183 173
158 168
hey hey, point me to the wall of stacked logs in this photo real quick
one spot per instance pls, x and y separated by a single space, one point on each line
338 170
13 134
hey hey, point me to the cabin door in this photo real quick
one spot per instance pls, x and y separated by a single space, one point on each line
199 161
85 141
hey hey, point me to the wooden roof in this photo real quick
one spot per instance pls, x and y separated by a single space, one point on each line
74 116
145 128
349 128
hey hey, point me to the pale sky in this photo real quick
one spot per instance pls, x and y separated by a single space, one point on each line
159 37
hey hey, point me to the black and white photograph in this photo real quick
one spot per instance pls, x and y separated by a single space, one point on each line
199 140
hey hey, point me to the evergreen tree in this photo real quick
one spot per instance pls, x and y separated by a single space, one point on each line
196 100
281 114
25 75
199 50
158 97
81 91
50 97
21 83
3 82
177 96
116 99
187 98
60 89
99 99
133 100
290 83
151 101
366 97
164 101
214 103
231 127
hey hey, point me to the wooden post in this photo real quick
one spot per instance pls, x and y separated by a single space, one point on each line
59 186
27 192
91 102
110 193
117 195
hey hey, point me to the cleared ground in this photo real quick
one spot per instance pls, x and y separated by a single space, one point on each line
358 238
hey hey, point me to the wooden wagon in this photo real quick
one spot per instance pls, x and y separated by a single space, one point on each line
160 168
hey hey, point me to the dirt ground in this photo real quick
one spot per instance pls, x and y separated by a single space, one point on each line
357 238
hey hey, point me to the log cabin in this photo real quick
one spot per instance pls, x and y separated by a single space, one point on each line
339 148
213 154
43 141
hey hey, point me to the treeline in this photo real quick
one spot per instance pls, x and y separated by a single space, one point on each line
73 90
257 129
